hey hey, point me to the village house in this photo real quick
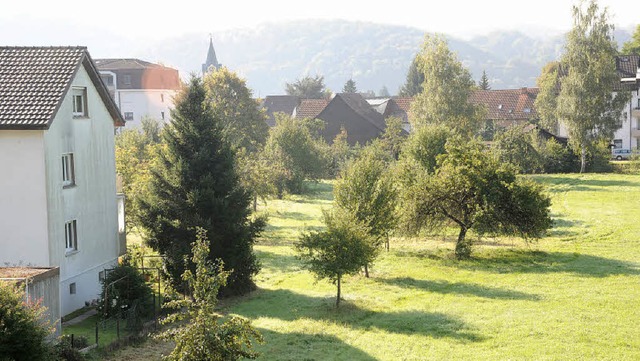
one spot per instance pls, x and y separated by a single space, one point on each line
58 201
140 88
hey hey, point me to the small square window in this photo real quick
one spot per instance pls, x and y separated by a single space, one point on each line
126 79
617 143
128 116
68 170
71 236
72 288
101 275
162 115
79 96
162 98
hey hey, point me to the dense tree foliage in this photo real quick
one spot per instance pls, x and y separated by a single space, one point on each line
350 87
586 103
23 331
124 288
633 45
365 189
473 190
445 91
242 121
515 145
294 154
307 87
415 78
135 152
195 183
484 81
201 333
342 249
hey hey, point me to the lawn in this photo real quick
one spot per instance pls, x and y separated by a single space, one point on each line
574 295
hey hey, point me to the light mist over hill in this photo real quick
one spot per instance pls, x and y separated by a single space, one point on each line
270 55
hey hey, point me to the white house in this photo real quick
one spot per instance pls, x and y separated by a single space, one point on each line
140 88
58 202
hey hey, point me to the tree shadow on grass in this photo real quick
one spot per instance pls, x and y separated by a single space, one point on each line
278 262
563 184
528 261
460 288
290 306
308 347
562 227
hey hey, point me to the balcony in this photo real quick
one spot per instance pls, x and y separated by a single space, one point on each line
635 133
635 112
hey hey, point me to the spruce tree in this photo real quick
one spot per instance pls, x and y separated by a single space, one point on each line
350 87
194 184
484 82
413 84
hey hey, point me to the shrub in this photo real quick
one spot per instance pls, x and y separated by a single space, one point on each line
124 288
22 331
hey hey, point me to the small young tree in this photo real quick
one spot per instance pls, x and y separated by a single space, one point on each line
22 330
342 249
415 78
474 191
204 335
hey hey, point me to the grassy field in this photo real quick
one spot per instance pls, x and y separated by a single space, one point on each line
574 295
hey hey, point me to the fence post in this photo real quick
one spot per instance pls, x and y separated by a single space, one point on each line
71 340
96 333
118 327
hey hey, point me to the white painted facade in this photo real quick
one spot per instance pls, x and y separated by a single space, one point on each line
627 137
154 103
35 204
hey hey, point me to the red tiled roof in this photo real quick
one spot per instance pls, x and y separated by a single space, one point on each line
310 108
403 103
506 104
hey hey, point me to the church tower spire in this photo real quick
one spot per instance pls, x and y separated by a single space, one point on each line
212 60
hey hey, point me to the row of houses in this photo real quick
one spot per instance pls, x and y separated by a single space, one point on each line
364 119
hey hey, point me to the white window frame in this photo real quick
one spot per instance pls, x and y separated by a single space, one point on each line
71 236
79 100
126 118
68 170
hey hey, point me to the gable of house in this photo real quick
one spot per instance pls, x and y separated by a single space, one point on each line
355 115
279 104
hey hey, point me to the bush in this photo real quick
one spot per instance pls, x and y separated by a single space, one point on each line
65 351
123 289
557 158
22 331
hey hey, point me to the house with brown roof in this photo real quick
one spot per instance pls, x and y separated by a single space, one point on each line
505 108
58 201
140 88
279 104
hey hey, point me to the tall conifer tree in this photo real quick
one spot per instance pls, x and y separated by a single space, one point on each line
195 185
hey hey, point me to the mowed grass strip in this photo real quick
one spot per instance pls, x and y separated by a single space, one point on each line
572 295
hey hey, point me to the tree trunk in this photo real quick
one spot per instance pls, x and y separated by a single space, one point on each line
386 243
463 246
366 270
255 202
583 159
338 297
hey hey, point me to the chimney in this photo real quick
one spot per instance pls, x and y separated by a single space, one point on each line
524 90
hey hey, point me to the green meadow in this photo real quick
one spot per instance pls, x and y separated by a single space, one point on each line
573 295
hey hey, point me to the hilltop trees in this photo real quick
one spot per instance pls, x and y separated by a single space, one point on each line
585 100
307 87
195 184
445 90
633 45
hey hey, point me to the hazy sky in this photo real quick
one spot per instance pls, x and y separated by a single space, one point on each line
153 19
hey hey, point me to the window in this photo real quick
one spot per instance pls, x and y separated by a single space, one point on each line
162 98
72 288
68 171
617 143
499 106
79 102
527 110
162 115
128 115
71 236
126 79
638 105
107 79
101 275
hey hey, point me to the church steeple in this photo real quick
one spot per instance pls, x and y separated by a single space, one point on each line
212 60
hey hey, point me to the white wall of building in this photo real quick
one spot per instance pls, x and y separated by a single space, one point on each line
91 201
23 199
155 103
628 133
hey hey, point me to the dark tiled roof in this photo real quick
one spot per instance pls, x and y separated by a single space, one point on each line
279 103
310 108
627 65
362 107
506 104
117 64
34 80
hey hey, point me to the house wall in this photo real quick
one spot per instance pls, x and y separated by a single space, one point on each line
359 130
23 199
628 133
145 102
91 201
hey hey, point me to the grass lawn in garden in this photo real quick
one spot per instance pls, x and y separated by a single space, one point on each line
574 295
